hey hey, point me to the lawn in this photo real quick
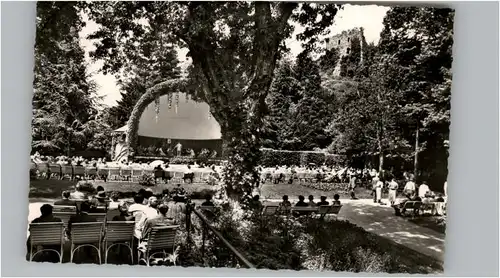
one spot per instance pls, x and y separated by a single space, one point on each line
431 222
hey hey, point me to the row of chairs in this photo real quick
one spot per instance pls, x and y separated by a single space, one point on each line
417 207
109 173
103 234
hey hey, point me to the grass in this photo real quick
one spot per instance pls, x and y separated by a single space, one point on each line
276 191
51 189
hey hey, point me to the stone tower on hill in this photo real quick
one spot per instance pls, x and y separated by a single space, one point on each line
343 43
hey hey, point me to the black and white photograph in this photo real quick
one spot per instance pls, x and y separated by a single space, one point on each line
239 134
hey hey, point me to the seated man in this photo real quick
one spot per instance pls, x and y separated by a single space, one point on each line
78 194
323 201
301 202
336 200
208 201
82 217
65 201
46 217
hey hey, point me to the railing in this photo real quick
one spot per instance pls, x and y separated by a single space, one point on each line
206 227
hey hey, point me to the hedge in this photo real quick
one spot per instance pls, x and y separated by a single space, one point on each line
271 158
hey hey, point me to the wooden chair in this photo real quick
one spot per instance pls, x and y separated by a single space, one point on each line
78 171
119 233
55 170
101 217
197 177
64 216
114 173
329 210
110 214
304 210
136 174
86 234
160 240
46 234
90 173
270 210
414 206
57 208
126 173
102 173
43 170
67 171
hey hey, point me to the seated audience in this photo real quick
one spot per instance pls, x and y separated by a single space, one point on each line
124 215
336 200
179 194
323 201
208 201
65 201
311 201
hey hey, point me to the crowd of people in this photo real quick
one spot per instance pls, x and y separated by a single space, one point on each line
147 210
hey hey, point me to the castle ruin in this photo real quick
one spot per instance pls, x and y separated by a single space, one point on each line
342 42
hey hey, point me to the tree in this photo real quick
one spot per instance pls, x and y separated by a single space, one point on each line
233 45
421 41
64 99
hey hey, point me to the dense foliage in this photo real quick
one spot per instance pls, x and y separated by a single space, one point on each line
298 244
66 114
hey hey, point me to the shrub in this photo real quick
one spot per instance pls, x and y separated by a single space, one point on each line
87 187
147 180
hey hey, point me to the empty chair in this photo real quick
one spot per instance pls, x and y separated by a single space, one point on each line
161 240
114 173
90 172
119 233
197 177
329 210
78 171
136 173
67 171
55 170
270 210
86 234
43 170
126 173
46 234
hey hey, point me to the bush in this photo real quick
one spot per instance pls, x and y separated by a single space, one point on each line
147 180
271 158
87 187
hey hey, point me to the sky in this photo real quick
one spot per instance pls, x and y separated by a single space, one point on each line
369 17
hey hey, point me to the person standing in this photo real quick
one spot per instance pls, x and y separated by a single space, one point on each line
378 190
445 188
375 181
393 188
352 186
410 189
179 148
